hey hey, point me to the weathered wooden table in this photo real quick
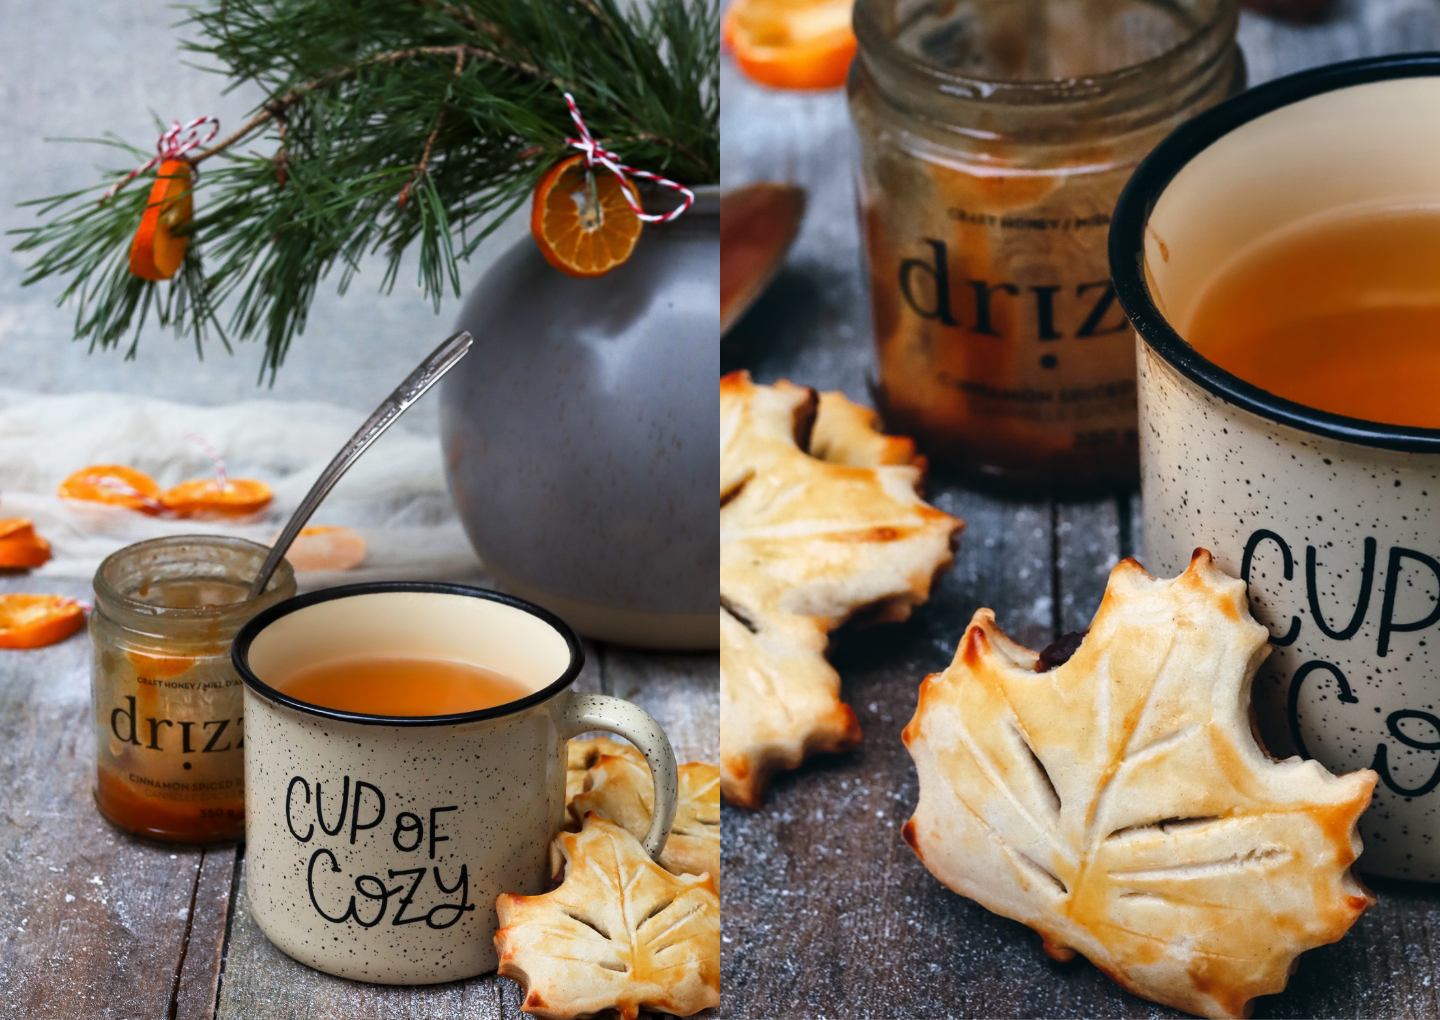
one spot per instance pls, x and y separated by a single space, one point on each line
827 913
96 924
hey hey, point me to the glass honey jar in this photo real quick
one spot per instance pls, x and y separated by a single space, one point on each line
169 726
995 137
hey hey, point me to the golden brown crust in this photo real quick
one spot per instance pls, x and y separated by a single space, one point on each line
619 933
849 434
1119 805
810 537
620 789
580 756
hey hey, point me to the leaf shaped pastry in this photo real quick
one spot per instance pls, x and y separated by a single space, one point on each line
580 756
620 789
1120 805
821 521
619 933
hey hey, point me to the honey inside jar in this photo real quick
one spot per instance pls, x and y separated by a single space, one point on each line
1339 313
995 137
169 721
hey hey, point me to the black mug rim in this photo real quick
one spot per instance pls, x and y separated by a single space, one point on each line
240 652
1153 176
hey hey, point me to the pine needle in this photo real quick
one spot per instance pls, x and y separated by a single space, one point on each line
388 126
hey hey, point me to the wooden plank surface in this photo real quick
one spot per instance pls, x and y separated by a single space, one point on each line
203 949
827 913
91 922
1087 546
261 981
682 692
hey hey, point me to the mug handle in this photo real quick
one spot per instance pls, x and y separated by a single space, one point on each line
579 713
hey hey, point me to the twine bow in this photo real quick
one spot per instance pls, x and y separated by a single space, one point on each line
177 140
597 155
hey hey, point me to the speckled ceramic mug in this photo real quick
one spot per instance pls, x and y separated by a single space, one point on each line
1333 521
378 844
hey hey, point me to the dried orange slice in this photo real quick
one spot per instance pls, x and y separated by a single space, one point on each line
116 485
791 44
20 547
33 621
157 252
324 547
581 221
233 496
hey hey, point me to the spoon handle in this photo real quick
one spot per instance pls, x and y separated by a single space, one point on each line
412 389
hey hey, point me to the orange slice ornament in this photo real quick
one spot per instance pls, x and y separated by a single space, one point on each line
225 496
115 485
326 547
158 250
20 547
34 621
791 44
581 220
221 496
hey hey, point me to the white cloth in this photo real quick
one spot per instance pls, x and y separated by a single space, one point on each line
395 495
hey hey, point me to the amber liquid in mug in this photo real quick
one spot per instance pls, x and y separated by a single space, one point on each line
403 686
1340 314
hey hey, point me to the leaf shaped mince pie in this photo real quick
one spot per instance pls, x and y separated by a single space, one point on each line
821 521
619 933
1120 805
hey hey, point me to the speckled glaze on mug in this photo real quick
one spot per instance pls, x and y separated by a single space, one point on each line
1334 522
378 844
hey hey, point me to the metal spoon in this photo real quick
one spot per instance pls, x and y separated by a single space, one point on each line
412 389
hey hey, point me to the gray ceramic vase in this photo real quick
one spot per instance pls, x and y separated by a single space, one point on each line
582 436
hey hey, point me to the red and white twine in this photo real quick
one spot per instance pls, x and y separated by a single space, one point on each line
177 140
597 155
124 488
214 456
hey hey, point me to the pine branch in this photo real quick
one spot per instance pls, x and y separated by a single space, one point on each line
430 140
389 127
276 108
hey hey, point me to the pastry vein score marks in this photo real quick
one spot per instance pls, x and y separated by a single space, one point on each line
1120 805
619 933
821 522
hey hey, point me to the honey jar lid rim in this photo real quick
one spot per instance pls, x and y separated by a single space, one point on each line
110 597
875 45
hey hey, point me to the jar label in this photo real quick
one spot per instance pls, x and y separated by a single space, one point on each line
1001 344
170 744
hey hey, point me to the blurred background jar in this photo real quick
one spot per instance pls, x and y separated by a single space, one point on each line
995 137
